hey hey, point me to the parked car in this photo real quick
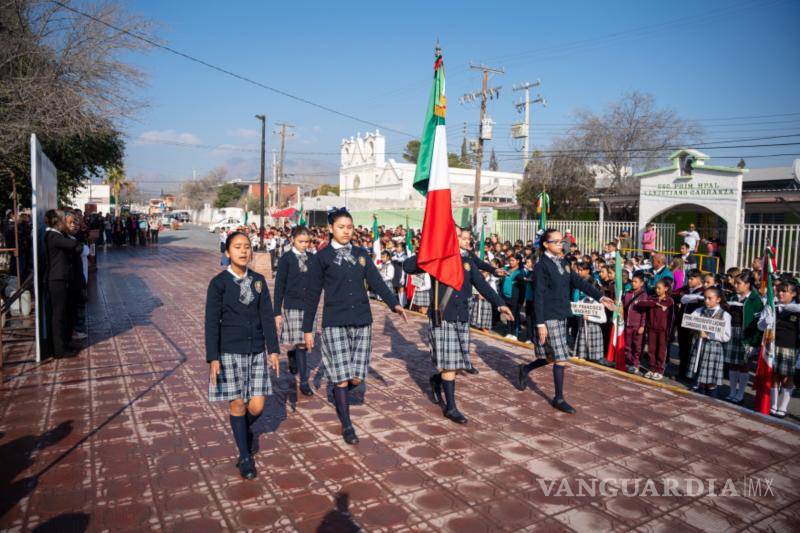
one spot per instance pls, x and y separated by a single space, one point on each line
226 224
181 216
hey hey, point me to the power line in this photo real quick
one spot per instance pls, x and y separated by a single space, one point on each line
223 70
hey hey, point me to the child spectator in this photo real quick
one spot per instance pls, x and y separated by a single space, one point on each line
635 321
708 352
660 309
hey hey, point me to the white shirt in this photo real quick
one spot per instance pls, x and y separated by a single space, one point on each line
246 270
691 238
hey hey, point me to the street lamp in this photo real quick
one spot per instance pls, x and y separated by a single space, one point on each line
263 120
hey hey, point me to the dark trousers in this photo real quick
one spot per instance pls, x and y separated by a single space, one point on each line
633 346
154 235
60 324
657 344
512 328
685 337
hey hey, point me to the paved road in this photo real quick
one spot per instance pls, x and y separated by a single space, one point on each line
122 436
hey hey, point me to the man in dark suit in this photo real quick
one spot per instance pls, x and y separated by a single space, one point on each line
60 252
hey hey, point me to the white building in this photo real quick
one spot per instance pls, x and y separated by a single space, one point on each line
365 175
93 198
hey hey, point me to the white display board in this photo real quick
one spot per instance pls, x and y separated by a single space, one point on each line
44 187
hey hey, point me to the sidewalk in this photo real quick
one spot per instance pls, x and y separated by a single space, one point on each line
122 436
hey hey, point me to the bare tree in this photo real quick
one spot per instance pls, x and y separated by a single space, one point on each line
631 135
194 194
63 74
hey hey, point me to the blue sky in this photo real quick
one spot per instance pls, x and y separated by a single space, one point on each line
710 61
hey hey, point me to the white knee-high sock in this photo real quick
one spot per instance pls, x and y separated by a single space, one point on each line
744 378
773 396
733 378
786 396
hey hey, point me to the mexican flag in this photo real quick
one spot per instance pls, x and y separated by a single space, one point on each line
439 254
483 242
616 347
766 356
376 241
542 209
302 220
409 251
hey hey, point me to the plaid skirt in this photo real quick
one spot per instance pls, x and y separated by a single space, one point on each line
736 351
589 341
480 313
450 345
421 298
712 361
241 376
785 361
346 351
556 346
292 329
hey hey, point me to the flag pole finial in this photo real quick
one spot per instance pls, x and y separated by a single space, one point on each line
438 50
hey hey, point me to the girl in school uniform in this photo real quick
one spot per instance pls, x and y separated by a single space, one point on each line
343 271
711 351
660 309
387 269
745 307
787 345
589 335
239 324
422 292
291 281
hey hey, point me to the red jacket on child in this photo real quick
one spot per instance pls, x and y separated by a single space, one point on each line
658 319
634 318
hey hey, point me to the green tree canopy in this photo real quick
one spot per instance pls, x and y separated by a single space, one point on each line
228 195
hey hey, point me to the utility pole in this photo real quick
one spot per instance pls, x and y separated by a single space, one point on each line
263 120
281 174
523 131
484 128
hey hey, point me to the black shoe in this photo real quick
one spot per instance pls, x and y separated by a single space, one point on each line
292 356
472 370
247 468
349 435
562 405
522 376
436 388
306 389
456 416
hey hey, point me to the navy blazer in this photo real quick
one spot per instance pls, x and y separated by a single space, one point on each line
231 326
346 298
290 282
552 289
457 309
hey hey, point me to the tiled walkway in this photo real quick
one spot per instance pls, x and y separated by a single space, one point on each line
122 437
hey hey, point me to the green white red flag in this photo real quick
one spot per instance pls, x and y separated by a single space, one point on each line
616 345
376 241
439 254
766 356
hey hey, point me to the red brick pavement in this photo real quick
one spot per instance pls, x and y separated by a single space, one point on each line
122 436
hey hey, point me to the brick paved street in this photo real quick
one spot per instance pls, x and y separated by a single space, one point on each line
122 436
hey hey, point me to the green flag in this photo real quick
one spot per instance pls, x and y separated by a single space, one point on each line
542 208
483 242
376 239
302 220
409 243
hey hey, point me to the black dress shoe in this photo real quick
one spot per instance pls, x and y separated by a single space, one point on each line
291 355
349 435
436 388
472 370
306 389
456 416
562 405
247 468
522 376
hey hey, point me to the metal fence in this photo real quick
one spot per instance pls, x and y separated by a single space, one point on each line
784 237
586 232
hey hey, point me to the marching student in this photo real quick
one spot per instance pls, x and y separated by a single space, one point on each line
690 298
660 309
343 271
239 323
553 283
635 322
589 335
787 345
745 307
387 269
448 323
422 292
708 347
291 282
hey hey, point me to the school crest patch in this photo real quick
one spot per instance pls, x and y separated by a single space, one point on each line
793 318
467 267
362 261
258 285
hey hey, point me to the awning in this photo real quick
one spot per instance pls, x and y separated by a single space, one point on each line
284 213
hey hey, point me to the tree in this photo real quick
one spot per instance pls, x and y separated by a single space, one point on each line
466 159
227 196
195 194
63 77
325 189
566 179
493 161
411 153
629 136
116 180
